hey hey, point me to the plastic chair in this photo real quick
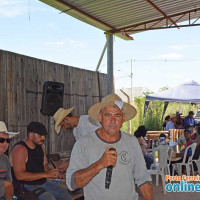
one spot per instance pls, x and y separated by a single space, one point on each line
197 161
198 164
187 164
160 167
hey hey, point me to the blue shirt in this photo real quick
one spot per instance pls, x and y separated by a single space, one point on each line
189 121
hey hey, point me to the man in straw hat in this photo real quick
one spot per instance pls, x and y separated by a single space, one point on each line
30 167
81 125
6 186
171 123
93 155
179 121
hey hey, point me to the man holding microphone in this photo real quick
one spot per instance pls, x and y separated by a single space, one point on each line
93 155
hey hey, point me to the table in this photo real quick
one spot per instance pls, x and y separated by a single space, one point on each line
155 134
176 159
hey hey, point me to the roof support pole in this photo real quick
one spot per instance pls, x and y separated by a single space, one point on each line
110 76
102 54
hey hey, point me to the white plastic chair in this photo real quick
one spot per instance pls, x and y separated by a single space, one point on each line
197 163
160 167
188 164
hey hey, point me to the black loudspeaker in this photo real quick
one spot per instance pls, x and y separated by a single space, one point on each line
52 97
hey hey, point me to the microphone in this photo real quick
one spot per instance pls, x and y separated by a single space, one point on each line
109 173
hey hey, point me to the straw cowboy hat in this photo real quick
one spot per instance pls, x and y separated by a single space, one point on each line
111 100
59 116
173 116
3 129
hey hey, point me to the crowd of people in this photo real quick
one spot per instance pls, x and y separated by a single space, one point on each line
177 122
106 162
99 145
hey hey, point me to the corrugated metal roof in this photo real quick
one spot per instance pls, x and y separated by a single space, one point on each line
126 17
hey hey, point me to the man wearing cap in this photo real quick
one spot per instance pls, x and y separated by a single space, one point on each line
30 167
6 186
179 121
93 155
189 120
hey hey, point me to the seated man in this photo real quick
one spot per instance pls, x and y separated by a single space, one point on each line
182 140
106 147
6 186
80 125
171 123
167 119
196 134
179 121
30 167
188 142
140 133
189 120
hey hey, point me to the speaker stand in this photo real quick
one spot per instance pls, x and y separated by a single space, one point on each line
49 159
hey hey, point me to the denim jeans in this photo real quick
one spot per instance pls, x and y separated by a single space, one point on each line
54 191
148 161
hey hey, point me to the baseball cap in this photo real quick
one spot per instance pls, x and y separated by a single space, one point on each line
37 127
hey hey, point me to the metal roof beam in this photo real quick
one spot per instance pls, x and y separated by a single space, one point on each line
160 11
157 28
155 20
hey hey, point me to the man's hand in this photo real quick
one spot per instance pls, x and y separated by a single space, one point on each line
8 187
84 176
63 167
109 158
54 173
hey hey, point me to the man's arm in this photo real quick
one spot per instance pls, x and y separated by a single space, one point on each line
140 174
47 168
82 177
146 190
8 188
19 156
186 121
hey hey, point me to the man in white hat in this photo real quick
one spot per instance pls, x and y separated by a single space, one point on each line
6 186
94 155
81 125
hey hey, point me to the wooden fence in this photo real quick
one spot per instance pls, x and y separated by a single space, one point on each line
21 84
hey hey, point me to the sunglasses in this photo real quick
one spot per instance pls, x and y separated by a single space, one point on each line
2 140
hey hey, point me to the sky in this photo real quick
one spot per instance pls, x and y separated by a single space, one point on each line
160 58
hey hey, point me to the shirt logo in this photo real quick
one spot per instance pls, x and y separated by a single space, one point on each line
3 174
124 158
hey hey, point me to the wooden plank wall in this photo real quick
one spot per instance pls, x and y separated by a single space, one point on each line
21 84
